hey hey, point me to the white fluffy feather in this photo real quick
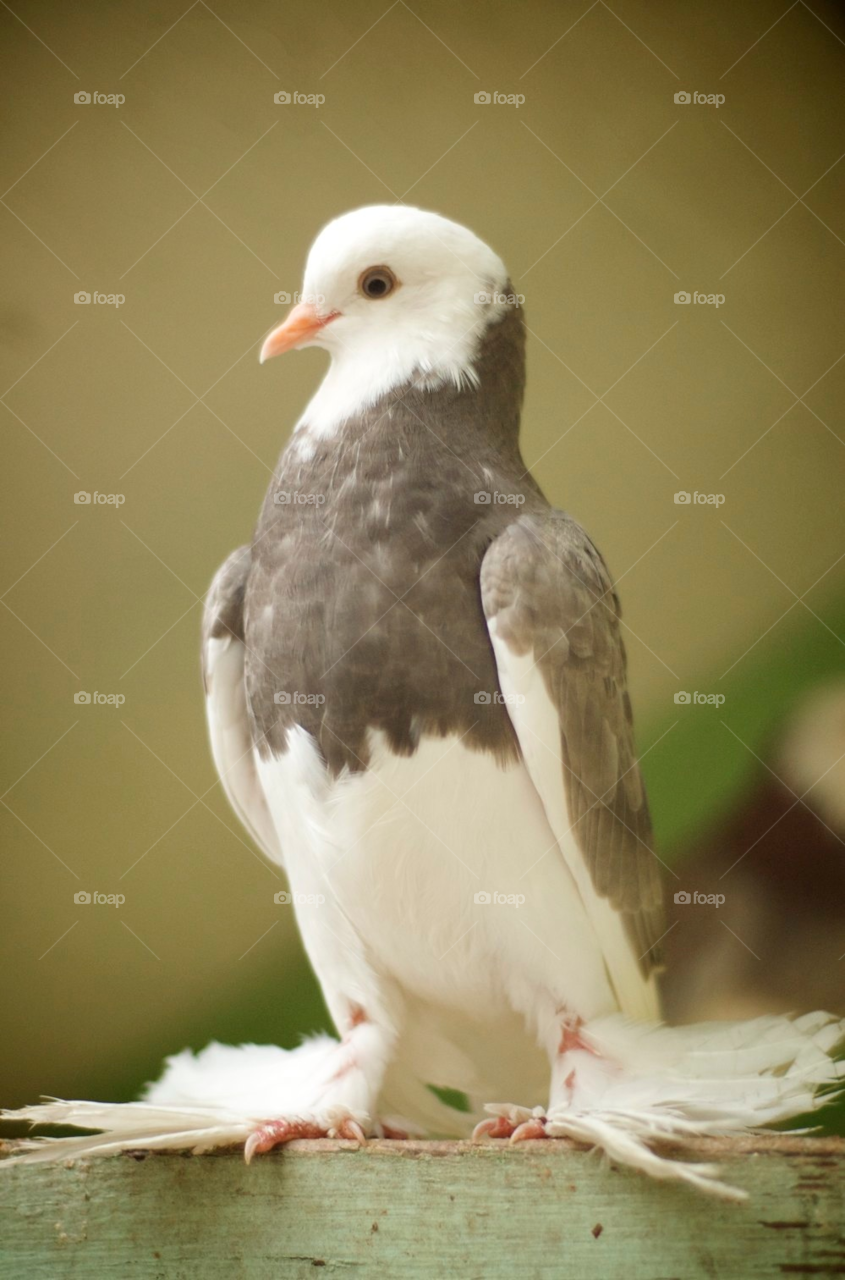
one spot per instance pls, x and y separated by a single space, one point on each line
215 1098
668 1085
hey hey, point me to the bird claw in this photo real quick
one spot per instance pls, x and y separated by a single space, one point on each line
351 1130
498 1127
533 1128
274 1133
517 1124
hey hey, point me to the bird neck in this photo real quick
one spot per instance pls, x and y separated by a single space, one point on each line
471 400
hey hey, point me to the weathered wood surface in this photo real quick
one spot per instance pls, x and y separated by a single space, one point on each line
434 1209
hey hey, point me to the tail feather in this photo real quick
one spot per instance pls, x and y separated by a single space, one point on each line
126 1126
628 1144
215 1098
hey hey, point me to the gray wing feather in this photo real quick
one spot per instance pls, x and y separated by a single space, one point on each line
550 593
230 731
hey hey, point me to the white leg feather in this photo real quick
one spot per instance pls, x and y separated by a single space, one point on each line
218 1098
638 1085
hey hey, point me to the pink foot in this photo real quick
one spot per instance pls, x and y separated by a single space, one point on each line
274 1133
516 1123
496 1127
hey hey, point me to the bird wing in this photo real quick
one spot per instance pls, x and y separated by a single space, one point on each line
223 650
554 622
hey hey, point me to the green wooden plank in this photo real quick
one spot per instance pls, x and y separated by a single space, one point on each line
434 1209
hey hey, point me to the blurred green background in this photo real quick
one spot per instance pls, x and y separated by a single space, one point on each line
197 199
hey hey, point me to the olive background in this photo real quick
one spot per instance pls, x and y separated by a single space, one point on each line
197 199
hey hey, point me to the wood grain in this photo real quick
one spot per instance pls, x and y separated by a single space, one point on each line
434 1209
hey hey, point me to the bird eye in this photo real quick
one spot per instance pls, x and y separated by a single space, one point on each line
377 282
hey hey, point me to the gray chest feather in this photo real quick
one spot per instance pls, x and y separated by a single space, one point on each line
363 608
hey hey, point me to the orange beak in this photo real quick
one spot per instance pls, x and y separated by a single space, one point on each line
298 327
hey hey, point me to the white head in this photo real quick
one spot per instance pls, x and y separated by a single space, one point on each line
393 294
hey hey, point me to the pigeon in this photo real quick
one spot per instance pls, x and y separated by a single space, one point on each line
417 703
